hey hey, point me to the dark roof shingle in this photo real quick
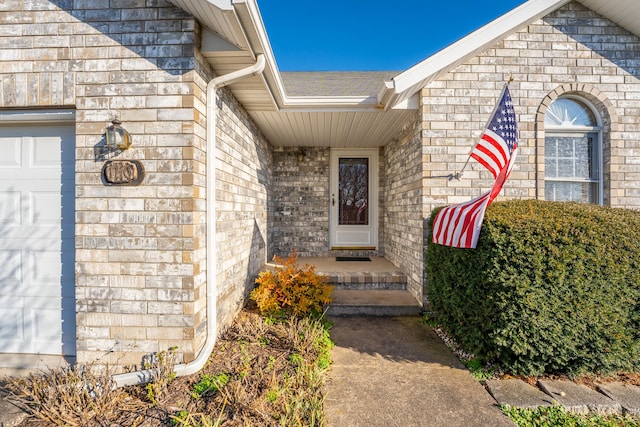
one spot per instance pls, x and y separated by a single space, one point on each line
334 83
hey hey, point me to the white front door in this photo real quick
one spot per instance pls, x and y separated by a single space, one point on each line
353 219
37 299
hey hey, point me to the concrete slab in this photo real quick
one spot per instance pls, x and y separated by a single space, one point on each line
329 264
578 398
627 395
518 394
394 371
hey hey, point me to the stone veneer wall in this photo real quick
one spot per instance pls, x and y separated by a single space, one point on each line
141 251
300 195
573 50
403 222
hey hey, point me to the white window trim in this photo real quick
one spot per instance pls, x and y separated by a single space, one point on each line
551 130
37 116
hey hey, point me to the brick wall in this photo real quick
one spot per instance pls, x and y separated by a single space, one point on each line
300 195
403 204
244 170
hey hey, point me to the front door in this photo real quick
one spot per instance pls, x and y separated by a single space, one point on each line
354 199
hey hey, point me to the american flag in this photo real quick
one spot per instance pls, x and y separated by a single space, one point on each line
459 225
497 142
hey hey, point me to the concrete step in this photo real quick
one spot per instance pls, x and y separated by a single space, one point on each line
375 302
367 280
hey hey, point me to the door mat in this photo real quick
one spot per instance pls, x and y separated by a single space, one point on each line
353 258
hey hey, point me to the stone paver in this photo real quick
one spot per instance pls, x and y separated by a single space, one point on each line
579 398
627 395
518 394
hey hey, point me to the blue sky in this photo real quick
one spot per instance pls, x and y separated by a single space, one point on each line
369 35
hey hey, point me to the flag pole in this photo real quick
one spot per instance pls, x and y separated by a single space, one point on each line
458 175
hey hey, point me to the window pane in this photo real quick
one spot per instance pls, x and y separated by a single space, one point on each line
550 167
572 159
565 168
565 147
570 191
353 177
569 112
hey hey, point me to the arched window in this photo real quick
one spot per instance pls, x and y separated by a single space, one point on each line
572 152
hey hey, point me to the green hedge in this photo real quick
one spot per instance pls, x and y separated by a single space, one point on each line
551 288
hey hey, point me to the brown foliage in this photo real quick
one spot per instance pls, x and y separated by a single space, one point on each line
291 289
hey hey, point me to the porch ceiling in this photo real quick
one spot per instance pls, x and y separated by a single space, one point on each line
331 128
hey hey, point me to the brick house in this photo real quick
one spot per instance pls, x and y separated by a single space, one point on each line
113 254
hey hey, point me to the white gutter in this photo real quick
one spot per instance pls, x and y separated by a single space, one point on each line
145 376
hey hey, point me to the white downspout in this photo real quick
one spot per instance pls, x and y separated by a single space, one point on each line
146 375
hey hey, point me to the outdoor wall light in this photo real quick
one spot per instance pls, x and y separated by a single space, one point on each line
117 136
300 155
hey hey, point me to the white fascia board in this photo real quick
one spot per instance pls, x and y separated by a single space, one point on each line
330 103
477 40
248 15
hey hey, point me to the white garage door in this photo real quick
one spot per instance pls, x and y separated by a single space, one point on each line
37 301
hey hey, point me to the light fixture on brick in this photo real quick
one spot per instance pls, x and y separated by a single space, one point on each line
300 155
117 136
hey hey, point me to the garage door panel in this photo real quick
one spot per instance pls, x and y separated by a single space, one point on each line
31 325
12 322
45 152
12 153
37 255
10 208
46 325
41 212
11 271
45 269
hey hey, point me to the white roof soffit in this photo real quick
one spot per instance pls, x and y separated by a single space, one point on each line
407 83
219 16
625 13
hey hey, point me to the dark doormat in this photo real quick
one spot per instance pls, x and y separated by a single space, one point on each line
353 258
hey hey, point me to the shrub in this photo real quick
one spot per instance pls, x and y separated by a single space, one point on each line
291 289
551 288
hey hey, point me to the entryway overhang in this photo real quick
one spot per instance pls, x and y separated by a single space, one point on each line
234 35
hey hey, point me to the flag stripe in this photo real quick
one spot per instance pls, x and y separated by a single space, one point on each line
487 159
492 152
457 225
461 230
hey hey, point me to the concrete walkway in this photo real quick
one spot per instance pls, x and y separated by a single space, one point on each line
394 371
